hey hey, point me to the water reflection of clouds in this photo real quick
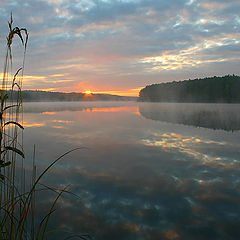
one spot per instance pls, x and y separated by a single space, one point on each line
27 124
114 203
114 210
55 123
62 121
118 209
48 108
171 185
132 109
48 113
191 146
57 116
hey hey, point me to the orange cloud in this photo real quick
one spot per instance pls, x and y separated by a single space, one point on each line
129 92
48 113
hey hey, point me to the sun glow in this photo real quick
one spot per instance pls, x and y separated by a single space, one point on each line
88 92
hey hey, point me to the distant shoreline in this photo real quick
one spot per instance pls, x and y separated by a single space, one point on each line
206 90
45 96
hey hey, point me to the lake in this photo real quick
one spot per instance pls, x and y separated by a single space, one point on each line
147 170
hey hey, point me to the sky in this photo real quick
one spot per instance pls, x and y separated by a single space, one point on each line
120 46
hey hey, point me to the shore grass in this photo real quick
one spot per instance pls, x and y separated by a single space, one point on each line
11 150
17 196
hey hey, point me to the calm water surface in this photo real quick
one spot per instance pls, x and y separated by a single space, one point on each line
149 170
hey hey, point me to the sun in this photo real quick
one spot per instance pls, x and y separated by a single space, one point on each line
88 92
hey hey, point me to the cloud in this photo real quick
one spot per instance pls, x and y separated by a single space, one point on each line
103 43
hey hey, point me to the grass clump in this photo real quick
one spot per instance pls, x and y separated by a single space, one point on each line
11 150
17 205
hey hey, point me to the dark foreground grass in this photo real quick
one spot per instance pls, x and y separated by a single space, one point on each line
17 198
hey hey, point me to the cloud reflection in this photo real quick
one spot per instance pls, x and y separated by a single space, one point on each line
48 113
32 124
191 146
138 179
113 109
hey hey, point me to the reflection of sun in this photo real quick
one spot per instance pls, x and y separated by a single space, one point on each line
88 92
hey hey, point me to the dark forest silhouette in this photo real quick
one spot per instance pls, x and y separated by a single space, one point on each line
207 90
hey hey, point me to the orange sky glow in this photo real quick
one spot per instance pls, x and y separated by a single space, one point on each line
29 80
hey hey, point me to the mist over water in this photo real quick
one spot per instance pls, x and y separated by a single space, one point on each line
214 116
174 178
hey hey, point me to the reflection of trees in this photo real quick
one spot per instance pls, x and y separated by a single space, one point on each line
214 116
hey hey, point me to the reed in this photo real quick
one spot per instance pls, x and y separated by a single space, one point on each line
11 128
17 199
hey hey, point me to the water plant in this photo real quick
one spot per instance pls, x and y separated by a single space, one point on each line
11 128
17 198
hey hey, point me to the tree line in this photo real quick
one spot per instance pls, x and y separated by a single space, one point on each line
39 96
207 90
